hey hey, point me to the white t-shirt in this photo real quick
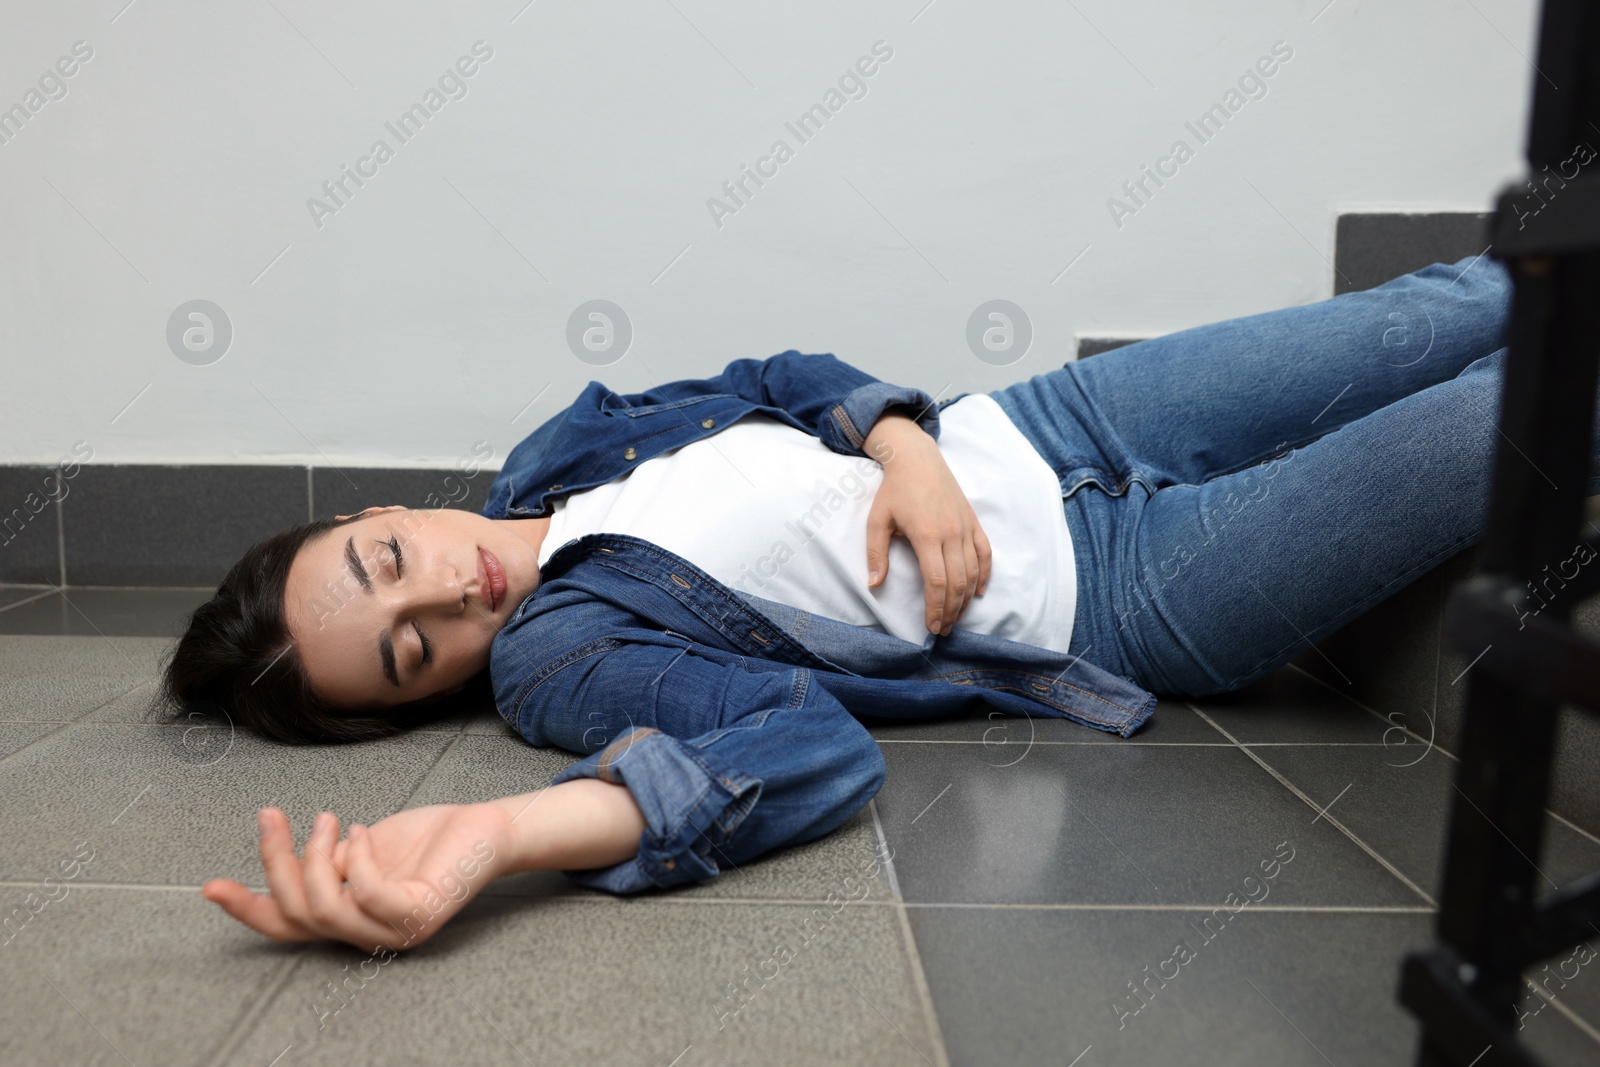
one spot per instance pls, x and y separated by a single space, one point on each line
769 509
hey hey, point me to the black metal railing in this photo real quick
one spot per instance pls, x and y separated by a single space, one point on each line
1530 663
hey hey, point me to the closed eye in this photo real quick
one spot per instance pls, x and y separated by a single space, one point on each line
399 569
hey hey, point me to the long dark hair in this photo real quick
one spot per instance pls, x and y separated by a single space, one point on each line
235 661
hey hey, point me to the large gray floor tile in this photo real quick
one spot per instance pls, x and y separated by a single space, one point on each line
161 809
1398 802
48 656
1575 792
1107 825
488 722
140 705
1027 987
19 735
846 863
108 612
1294 708
107 977
514 981
12 595
63 700
1565 1027
1172 723
56 679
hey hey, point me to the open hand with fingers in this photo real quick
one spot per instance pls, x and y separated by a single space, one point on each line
391 885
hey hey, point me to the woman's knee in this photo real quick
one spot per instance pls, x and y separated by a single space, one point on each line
1477 282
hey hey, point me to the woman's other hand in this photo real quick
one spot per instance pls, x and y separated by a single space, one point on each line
921 501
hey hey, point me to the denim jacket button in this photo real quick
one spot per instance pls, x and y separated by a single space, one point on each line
708 423
669 864
629 454
556 488
679 581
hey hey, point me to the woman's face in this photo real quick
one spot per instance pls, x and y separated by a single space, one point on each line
377 626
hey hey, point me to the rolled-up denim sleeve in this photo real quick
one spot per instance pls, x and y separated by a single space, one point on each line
724 763
852 418
691 810
838 402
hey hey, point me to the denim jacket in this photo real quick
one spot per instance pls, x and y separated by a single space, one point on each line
731 718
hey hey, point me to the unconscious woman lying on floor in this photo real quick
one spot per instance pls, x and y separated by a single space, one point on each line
698 588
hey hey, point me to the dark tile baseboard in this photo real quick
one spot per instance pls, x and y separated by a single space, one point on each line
30 525
1371 249
185 525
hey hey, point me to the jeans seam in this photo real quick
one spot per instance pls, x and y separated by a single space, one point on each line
845 423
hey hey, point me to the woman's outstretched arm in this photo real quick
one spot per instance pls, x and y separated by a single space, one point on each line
392 885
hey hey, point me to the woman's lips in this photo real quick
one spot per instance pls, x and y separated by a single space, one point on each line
494 578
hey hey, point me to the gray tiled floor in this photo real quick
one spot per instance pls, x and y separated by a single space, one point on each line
93 612
1037 868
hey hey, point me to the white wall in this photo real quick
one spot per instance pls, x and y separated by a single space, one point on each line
432 307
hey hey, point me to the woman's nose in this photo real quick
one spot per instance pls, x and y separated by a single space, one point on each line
435 592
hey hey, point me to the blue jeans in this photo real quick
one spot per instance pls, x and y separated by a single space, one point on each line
1255 484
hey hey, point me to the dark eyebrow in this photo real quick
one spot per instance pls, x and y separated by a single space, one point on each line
354 562
386 653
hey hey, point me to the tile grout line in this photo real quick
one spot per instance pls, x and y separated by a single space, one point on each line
1288 909
1209 721
1341 827
25 600
245 1024
68 725
1568 823
1144 744
455 739
883 846
919 977
1408 731
61 533
1573 1017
